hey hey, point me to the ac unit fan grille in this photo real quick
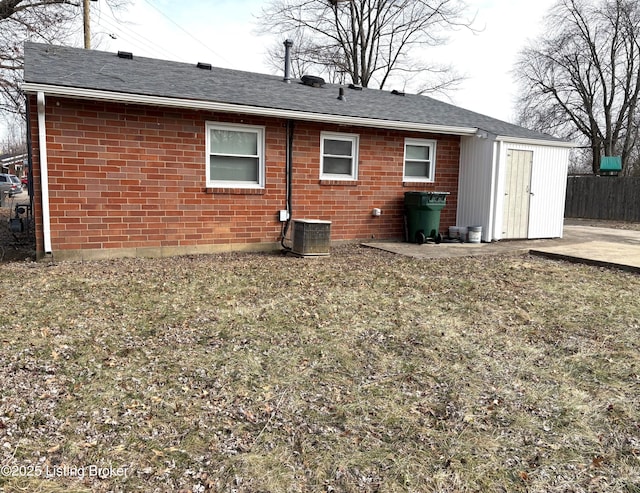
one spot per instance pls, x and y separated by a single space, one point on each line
311 237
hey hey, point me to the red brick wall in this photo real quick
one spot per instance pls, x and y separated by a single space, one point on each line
349 205
127 176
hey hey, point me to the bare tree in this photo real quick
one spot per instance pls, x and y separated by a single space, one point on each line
14 138
45 21
581 78
303 58
367 41
20 20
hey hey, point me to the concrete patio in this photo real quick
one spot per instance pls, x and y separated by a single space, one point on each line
610 247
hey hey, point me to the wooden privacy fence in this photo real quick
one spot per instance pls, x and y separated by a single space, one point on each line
603 197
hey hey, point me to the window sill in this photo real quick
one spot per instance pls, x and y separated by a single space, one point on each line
341 183
418 183
234 191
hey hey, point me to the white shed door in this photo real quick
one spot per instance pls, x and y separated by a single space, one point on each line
515 219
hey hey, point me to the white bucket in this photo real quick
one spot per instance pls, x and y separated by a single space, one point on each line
454 232
475 234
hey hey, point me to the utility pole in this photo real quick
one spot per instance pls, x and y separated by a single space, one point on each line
86 11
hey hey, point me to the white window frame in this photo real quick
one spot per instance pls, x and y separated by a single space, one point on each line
259 131
355 142
432 161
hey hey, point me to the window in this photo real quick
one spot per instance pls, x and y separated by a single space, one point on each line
339 156
235 156
419 160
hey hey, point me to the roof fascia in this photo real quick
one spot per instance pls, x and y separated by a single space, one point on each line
120 97
525 141
14 158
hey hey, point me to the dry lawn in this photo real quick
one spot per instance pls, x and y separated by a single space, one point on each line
360 372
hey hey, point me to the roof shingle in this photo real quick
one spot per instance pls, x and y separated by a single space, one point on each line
97 70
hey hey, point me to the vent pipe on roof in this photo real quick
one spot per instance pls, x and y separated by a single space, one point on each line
287 60
312 81
341 95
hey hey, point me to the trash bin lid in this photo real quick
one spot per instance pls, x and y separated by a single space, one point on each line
422 199
427 193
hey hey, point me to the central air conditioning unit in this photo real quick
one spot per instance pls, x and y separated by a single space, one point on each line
311 237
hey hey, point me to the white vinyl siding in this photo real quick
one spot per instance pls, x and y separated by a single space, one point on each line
338 156
419 160
476 185
482 187
235 156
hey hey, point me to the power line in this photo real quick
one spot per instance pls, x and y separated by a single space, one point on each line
187 32
130 36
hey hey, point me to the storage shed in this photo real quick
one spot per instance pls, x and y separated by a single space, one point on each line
513 187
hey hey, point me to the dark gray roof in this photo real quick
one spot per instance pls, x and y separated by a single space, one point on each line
90 69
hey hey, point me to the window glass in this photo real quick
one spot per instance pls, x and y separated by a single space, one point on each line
234 142
339 159
337 147
418 152
236 156
419 160
416 169
234 168
337 166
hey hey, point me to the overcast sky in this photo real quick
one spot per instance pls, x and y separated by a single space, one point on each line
222 32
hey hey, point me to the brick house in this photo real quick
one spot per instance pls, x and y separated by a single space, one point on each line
136 156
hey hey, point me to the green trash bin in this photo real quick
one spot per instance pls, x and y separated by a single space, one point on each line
422 215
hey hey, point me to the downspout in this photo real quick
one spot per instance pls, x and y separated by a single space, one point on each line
289 180
44 175
288 44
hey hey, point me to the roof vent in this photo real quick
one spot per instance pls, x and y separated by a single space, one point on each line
341 95
355 87
312 81
127 55
287 60
397 93
204 66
